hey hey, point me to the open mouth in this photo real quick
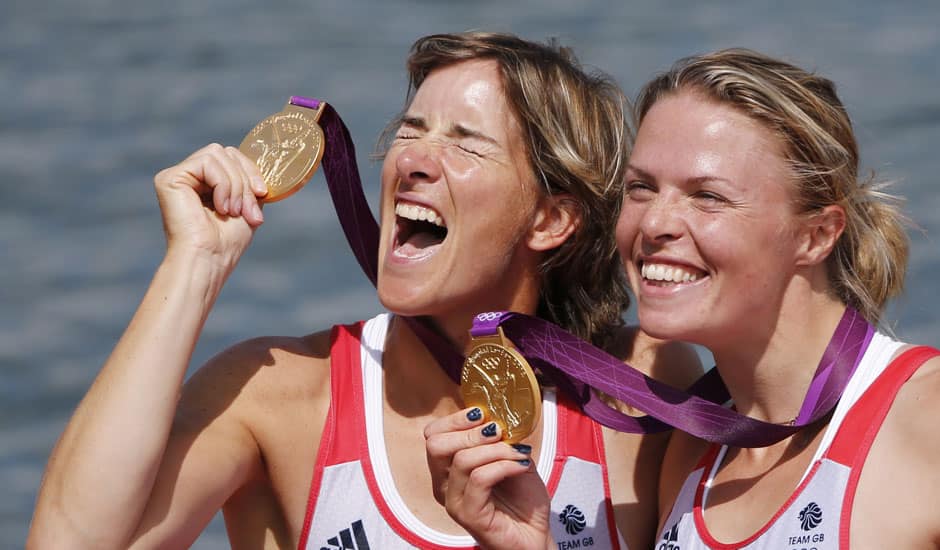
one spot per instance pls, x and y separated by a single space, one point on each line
419 229
668 274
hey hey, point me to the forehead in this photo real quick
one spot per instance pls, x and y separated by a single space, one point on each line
686 134
467 92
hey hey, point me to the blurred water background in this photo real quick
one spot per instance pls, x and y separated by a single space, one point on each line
98 95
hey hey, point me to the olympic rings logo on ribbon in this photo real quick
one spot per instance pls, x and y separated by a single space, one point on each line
488 315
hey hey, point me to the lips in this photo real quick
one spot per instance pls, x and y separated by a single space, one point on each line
419 230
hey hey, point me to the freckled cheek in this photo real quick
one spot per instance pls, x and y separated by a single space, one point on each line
627 228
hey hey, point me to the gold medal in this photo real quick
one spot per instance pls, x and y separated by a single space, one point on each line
498 379
287 146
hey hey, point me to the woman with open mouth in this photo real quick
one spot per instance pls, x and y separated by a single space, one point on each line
499 187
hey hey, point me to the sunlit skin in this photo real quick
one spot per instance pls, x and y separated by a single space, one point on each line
459 152
709 192
243 433
701 178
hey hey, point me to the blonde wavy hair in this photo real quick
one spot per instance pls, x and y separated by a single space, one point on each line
868 264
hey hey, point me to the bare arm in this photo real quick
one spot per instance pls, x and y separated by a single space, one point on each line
899 488
101 473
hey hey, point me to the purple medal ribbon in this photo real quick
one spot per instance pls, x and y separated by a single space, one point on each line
572 362
359 225
577 366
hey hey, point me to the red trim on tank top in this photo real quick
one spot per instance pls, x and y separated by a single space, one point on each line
699 514
850 447
855 437
576 436
339 347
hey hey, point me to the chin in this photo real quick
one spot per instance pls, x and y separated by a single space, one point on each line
668 326
404 298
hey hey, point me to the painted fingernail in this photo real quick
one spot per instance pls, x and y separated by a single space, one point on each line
524 462
474 414
489 430
522 448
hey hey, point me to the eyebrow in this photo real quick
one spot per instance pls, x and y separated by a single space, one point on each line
697 180
463 131
640 172
458 130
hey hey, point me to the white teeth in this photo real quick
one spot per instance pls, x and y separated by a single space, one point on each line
418 213
669 273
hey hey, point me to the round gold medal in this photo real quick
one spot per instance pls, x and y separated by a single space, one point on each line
498 379
287 147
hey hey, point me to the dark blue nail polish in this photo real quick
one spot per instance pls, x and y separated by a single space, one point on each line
474 414
524 462
489 430
522 448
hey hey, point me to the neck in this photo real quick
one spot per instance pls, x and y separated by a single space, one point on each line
769 369
455 325
415 385
412 372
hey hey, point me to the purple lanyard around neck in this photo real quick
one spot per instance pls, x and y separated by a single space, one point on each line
568 360
577 366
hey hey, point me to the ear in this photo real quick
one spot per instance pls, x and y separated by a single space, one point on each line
821 231
556 218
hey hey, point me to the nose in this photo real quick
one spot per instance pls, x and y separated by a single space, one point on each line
661 220
419 162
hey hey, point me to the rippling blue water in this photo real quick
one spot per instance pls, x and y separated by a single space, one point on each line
98 95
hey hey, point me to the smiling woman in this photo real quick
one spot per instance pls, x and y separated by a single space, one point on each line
498 191
745 176
745 228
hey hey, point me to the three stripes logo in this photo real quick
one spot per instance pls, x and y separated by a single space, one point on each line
670 540
349 539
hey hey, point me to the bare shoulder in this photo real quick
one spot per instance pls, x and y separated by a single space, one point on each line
913 416
257 373
675 363
900 478
915 410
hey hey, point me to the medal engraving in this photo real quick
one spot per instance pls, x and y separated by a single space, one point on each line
287 147
497 379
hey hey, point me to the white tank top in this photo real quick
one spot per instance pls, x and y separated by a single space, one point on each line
817 515
354 504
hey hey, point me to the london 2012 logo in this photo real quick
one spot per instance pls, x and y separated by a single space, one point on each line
811 516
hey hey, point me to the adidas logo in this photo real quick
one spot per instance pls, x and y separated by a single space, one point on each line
349 539
670 540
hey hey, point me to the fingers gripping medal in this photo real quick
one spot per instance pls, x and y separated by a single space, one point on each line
287 146
498 379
